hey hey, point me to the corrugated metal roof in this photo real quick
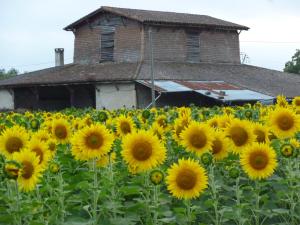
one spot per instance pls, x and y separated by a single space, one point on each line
234 95
218 90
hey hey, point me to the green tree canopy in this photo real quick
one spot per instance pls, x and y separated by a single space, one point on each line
293 66
7 74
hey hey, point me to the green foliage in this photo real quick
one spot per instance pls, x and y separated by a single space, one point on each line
293 66
8 74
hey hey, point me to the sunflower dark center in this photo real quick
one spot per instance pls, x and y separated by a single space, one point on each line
142 151
13 144
52 146
94 140
61 132
239 136
285 122
39 153
186 179
259 160
260 136
125 127
162 122
217 146
198 140
28 170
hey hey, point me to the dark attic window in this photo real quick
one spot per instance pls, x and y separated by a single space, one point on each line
107 43
193 46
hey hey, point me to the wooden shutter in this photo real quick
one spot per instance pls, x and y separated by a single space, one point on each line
107 43
193 46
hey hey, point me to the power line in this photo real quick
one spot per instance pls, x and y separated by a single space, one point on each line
274 42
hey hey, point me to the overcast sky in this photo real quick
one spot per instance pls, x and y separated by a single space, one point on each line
31 29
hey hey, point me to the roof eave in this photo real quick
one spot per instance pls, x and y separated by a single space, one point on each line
196 25
108 9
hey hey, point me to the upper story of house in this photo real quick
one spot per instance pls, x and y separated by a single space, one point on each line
124 35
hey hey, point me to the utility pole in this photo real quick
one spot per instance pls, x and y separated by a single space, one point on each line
151 67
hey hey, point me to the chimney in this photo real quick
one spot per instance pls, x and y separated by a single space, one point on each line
59 57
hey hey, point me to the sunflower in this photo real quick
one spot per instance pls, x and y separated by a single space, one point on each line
258 161
284 122
41 135
30 171
220 146
261 132
61 130
281 101
162 121
13 140
180 124
187 179
52 144
91 142
104 160
41 150
125 125
158 131
143 151
240 134
296 102
197 138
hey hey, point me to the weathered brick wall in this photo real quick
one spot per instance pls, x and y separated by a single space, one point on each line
87 45
220 47
128 43
131 43
168 44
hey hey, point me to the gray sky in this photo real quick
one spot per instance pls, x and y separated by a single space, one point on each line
31 29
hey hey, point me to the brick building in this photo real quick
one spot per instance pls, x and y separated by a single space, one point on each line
196 59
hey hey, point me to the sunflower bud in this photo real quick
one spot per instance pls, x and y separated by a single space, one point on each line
102 116
54 167
156 177
248 113
146 114
234 172
34 124
11 169
206 159
287 150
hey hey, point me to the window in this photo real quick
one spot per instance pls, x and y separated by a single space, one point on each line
107 43
193 46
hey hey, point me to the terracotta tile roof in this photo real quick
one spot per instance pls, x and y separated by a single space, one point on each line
75 73
270 82
160 17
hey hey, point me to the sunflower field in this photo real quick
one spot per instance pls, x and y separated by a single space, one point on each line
189 165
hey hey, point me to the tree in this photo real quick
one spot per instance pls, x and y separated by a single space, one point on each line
7 74
294 65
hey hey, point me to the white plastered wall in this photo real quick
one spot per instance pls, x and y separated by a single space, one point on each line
6 99
115 95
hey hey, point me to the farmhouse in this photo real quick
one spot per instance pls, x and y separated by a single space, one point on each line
193 58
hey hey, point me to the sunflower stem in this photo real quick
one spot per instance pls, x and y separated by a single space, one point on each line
291 195
113 191
187 203
257 201
18 216
156 190
61 197
38 195
95 193
214 193
238 201
148 201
